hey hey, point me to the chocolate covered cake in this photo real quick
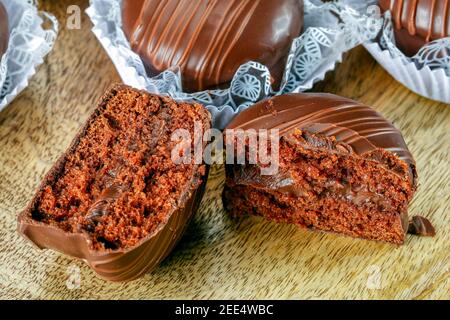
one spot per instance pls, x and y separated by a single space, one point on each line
210 39
417 22
4 30
342 168
116 198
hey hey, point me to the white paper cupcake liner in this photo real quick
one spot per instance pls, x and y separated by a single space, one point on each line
432 84
331 29
28 44
427 73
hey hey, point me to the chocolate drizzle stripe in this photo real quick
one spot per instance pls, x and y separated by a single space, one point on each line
180 30
309 117
214 40
445 20
431 22
238 34
370 133
218 41
167 32
4 30
193 38
215 47
426 18
411 25
358 125
397 13
150 29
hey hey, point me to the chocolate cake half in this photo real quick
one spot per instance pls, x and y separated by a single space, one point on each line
342 168
4 30
115 198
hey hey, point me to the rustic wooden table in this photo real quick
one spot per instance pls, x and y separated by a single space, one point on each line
220 257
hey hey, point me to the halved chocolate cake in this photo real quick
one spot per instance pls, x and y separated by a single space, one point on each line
342 168
116 198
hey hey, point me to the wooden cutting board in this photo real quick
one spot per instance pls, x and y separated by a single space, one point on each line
221 257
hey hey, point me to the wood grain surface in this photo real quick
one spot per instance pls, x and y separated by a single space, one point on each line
221 257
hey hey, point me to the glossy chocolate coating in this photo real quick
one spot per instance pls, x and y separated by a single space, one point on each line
352 123
4 30
355 127
417 22
210 39
118 264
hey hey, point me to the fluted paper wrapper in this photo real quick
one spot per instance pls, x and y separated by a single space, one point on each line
28 44
427 73
331 29
432 83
